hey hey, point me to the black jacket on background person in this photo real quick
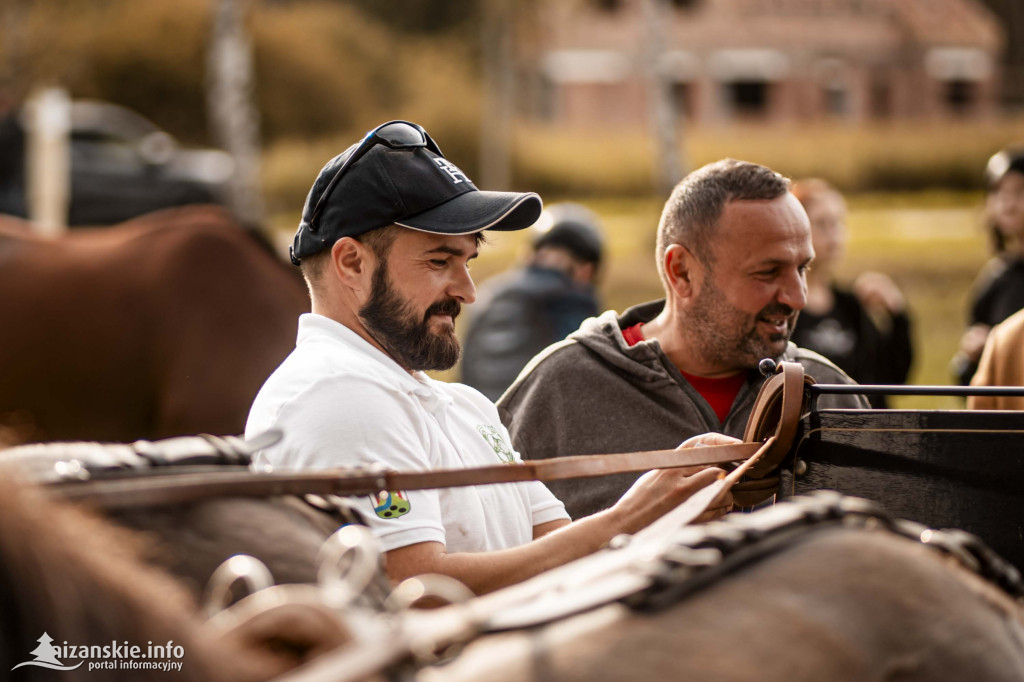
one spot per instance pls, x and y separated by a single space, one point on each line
519 315
997 293
847 336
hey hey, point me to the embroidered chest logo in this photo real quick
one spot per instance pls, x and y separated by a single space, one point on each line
452 170
390 504
497 442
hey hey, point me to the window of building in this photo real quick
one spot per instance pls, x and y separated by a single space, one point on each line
960 95
880 99
837 101
748 98
610 6
682 98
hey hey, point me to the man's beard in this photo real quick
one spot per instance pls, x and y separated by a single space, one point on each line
403 334
728 337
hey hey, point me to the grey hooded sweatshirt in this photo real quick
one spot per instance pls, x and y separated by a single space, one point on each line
594 394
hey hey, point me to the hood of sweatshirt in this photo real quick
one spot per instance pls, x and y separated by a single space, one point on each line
644 362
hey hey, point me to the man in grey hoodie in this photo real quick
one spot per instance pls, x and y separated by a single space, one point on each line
734 246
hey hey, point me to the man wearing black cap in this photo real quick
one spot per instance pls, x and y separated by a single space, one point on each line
387 233
524 311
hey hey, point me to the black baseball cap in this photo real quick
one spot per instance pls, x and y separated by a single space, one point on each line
572 227
397 175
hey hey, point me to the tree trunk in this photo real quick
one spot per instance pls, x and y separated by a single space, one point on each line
233 114
499 86
13 47
664 119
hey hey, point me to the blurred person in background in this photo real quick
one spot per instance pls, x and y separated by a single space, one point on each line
1002 364
866 330
526 310
998 292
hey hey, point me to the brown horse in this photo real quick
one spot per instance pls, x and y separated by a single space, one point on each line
80 581
165 325
814 597
191 539
847 607
818 589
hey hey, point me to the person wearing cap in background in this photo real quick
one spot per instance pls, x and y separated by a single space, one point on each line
387 234
733 250
524 311
998 291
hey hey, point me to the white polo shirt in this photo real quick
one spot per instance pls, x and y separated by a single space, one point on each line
341 402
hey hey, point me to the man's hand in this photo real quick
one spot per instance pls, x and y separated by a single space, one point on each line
705 439
660 491
877 291
973 341
724 504
652 496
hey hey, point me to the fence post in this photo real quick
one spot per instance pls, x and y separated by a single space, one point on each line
48 160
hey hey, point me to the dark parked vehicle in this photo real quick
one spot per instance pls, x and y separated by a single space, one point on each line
122 166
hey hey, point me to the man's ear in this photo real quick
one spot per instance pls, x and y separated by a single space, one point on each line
682 270
352 263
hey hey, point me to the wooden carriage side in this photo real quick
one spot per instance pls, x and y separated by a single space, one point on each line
942 468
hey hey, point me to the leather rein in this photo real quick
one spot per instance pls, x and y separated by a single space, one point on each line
771 427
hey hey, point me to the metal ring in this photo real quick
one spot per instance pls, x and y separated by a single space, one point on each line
239 568
430 585
348 562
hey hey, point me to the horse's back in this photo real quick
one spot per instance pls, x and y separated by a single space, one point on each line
164 325
841 605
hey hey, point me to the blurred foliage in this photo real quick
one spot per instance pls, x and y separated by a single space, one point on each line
323 66
327 70
894 156
147 56
424 17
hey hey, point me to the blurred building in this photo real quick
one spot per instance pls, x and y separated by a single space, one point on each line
1011 13
771 60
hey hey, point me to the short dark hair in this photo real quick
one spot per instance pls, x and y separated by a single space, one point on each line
692 211
379 241
572 228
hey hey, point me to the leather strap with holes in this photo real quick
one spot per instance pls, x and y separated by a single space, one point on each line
781 399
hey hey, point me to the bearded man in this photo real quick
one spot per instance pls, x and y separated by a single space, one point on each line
387 234
733 250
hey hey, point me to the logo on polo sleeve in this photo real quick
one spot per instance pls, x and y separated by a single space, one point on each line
390 504
497 442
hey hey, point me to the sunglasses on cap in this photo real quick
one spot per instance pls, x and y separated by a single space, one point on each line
393 134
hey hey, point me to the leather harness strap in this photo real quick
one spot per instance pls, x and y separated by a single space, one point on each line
778 404
777 411
178 489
